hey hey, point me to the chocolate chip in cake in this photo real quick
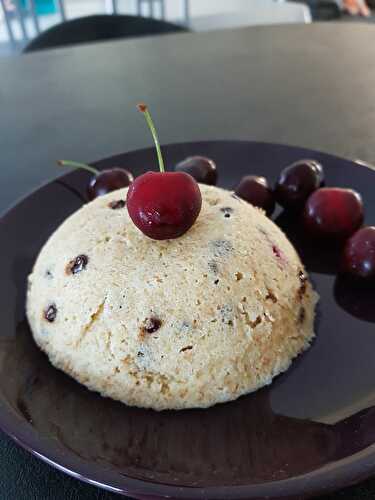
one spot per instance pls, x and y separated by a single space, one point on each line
77 265
50 313
227 211
151 325
303 280
256 322
271 296
116 204
187 348
48 274
301 315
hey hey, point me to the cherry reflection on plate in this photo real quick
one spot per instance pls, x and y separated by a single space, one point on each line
355 298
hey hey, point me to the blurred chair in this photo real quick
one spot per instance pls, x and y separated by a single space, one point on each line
98 28
324 10
25 19
253 12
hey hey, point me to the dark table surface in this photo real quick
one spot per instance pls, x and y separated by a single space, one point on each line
311 86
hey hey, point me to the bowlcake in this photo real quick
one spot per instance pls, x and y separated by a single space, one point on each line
175 324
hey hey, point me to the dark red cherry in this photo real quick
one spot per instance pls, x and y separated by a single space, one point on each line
102 182
256 191
297 181
358 258
164 205
333 213
201 168
108 180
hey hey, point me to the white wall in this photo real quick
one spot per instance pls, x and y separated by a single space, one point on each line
175 8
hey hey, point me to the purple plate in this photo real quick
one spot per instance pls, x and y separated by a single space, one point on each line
310 432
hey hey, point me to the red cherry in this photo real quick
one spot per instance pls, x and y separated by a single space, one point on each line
102 182
164 205
358 258
201 168
256 191
297 181
333 213
107 181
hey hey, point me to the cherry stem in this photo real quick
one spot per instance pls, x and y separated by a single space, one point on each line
75 164
144 109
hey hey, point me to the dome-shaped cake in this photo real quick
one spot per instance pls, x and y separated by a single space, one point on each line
180 323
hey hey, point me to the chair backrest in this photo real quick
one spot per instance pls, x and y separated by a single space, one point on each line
25 19
99 27
325 10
